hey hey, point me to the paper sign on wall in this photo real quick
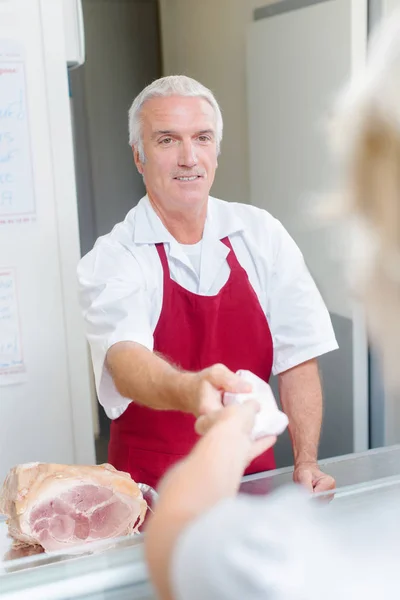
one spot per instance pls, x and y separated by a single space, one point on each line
17 199
12 368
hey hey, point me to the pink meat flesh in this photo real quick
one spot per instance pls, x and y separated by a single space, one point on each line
83 513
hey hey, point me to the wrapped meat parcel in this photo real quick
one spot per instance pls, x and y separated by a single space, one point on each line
270 420
60 506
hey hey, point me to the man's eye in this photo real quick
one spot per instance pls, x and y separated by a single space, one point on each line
166 141
204 138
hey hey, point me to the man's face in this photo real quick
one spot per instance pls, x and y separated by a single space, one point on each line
179 140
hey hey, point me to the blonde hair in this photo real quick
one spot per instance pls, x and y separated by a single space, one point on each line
366 135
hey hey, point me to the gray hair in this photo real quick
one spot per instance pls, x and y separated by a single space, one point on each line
173 85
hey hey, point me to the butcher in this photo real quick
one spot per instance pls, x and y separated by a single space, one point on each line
187 290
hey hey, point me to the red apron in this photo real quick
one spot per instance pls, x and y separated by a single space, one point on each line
193 332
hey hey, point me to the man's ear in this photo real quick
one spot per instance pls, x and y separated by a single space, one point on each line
136 158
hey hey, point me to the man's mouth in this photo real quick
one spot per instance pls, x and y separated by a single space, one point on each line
188 178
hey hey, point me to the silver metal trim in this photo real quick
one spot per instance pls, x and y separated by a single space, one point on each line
284 6
375 12
377 396
322 462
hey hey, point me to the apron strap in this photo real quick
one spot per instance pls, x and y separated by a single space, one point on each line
164 262
231 259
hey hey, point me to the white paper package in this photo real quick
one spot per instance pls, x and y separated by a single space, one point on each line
269 420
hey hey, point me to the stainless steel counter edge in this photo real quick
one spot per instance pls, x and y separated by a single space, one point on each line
323 462
64 581
348 470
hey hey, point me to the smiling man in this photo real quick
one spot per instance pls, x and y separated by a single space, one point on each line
189 289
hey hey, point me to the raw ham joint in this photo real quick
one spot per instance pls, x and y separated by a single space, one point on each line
59 506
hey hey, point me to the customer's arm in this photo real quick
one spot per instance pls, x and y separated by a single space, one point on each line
212 472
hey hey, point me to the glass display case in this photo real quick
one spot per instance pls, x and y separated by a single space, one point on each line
115 569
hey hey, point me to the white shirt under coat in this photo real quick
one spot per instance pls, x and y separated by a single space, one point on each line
121 284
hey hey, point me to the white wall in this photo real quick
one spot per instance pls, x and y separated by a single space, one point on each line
206 40
388 6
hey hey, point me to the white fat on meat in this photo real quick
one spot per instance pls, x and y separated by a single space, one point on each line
59 506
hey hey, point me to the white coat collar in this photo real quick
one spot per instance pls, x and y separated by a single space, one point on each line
221 222
149 229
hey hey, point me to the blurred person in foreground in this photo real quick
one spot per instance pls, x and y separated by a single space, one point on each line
205 542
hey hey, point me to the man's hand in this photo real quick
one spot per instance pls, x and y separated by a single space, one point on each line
312 478
204 390
239 418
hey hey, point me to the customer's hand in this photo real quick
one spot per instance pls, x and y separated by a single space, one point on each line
204 390
239 418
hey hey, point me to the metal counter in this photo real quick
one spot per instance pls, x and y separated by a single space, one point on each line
348 470
119 572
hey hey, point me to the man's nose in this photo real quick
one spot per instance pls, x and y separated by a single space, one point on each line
187 154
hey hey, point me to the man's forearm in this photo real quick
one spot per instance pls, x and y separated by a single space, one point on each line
301 397
146 378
